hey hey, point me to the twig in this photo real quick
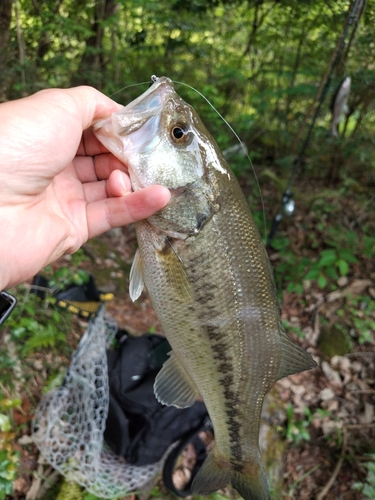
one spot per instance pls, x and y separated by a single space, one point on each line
358 426
352 354
337 469
306 474
362 391
48 483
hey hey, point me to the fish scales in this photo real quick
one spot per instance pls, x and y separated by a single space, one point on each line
225 305
210 281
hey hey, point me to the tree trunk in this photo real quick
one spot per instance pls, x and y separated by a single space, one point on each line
91 66
5 18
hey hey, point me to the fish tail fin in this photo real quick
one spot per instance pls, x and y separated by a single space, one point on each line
214 475
251 483
216 472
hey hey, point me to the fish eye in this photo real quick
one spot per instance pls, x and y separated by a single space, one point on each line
179 134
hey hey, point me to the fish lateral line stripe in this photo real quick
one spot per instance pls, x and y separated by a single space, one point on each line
231 398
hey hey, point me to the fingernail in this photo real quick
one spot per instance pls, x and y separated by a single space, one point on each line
122 183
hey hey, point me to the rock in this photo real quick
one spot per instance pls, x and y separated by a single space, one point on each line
326 394
332 375
368 416
341 362
333 296
343 281
25 439
357 287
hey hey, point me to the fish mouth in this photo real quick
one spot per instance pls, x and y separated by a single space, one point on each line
142 136
136 126
162 85
134 115
146 106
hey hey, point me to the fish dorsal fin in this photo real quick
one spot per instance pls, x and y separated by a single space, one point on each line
175 272
294 359
173 386
136 277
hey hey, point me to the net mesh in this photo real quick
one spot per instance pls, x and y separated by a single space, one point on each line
69 422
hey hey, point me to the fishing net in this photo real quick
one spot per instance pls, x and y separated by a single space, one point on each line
69 422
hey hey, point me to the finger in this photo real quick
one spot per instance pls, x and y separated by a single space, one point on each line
95 191
90 144
118 184
114 212
100 167
85 168
105 164
92 105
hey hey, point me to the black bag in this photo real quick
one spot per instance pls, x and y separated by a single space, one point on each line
138 427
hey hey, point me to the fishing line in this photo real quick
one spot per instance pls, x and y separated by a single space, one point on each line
128 86
226 123
238 139
287 196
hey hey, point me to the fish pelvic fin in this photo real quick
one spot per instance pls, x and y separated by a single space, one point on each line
216 472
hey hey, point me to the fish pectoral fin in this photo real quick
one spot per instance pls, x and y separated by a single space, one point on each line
173 386
174 269
294 359
136 277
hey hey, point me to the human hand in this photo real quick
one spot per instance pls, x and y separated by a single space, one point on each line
58 185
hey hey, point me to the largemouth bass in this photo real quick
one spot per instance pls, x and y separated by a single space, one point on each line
210 281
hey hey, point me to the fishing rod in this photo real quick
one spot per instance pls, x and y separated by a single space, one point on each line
287 205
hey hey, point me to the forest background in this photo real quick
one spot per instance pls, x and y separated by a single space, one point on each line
264 65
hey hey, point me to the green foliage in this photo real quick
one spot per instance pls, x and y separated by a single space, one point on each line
292 329
68 275
368 486
5 425
359 311
90 496
37 324
70 490
54 381
325 269
260 63
9 458
331 264
8 471
291 269
369 246
6 368
297 429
